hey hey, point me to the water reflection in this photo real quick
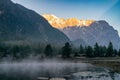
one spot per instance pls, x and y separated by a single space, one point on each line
33 70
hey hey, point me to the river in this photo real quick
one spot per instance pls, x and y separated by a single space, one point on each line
31 70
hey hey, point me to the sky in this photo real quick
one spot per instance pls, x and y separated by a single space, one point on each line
82 9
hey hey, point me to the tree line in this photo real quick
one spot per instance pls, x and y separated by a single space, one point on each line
67 51
97 51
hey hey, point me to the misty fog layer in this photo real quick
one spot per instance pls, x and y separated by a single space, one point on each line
34 69
31 69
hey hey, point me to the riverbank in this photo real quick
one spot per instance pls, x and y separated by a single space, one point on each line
108 62
114 65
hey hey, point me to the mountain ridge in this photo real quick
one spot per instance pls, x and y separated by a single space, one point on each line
99 31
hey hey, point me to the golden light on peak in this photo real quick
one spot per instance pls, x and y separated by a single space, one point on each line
61 23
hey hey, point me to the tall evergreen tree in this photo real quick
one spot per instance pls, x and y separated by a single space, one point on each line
48 51
110 50
81 51
96 50
103 51
15 51
89 51
66 50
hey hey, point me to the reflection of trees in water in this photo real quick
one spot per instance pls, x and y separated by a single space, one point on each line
30 71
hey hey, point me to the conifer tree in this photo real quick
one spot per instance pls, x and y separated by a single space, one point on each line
110 50
66 50
103 51
96 50
81 51
89 51
48 51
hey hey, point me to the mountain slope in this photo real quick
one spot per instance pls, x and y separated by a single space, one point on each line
99 31
20 23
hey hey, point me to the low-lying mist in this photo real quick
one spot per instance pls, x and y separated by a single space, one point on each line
31 69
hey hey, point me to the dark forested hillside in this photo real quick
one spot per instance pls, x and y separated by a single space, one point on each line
20 23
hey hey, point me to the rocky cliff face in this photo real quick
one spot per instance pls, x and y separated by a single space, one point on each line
20 23
99 31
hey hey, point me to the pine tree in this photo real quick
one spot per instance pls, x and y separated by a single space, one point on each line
103 51
89 51
110 50
81 51
66 50
48 51
15 51
96 50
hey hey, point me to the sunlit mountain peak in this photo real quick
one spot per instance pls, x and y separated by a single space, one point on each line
61 23
49 16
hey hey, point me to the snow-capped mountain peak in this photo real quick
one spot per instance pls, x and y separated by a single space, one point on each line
61 23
